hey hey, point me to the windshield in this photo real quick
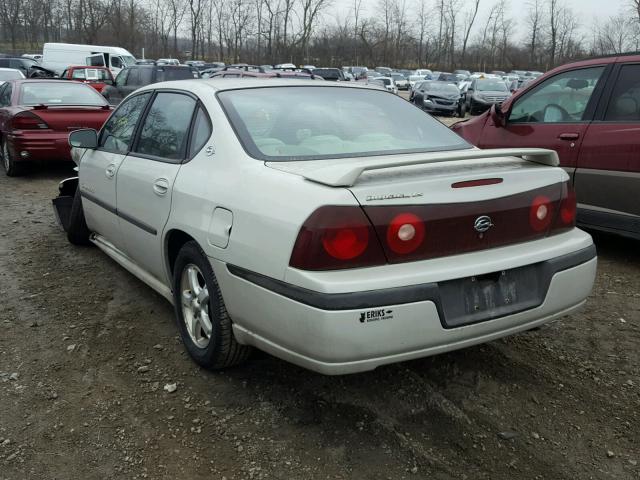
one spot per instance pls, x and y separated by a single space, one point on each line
59 93
311 123
397 76
491 86
128 60
10 75
442 88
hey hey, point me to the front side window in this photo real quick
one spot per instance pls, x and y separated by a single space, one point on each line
562 98
624 105
116 62
331 122
165 129
118 132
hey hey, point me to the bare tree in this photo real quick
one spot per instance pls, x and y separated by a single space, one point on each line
469 21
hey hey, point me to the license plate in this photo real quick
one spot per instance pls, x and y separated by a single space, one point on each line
485 297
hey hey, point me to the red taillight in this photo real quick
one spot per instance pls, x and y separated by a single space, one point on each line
568 208
28 121
336 237
345 243
405 233
541 213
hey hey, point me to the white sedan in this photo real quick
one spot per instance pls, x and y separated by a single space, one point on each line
335 226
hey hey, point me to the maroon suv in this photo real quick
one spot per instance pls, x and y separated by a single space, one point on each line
589 112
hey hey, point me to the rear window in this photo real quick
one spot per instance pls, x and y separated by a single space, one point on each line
168 74
90 74
312 123
59 93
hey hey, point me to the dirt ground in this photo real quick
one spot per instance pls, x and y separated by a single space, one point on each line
86 351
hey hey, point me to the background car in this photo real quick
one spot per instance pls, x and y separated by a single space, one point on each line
136 76
28 66
482 93
36 117
386 82
400 80
331 74
437 97
589 113
96 77
10 74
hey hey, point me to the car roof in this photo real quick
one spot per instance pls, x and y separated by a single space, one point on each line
223 84
87 66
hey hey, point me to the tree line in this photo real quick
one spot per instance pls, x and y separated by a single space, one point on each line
440 34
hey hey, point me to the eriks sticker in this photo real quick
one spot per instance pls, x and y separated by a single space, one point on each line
376 315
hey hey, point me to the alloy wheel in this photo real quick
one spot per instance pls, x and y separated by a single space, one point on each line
194 295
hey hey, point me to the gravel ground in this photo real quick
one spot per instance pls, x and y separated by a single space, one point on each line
89 357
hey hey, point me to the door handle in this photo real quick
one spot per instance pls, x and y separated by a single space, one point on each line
111 170
161 186
569 136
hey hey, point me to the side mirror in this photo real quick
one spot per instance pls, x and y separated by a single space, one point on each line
85 138
497 116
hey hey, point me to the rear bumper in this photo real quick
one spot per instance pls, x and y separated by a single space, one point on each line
39 146
350 332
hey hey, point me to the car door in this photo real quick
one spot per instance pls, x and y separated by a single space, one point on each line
6 92
554 114
607 179
146 177
98 168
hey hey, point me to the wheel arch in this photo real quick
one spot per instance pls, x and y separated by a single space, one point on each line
174 240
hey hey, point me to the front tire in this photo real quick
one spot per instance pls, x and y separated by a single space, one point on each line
203 320
11 167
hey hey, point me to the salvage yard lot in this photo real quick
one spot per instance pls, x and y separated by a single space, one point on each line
86 351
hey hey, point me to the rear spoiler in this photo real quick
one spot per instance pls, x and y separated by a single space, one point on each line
342 173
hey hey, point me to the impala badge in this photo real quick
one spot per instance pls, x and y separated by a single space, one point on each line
482 224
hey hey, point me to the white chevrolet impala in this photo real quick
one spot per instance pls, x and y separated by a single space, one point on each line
335 226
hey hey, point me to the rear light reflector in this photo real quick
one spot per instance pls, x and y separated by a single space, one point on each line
568 208
541 213
405 233
337 237
28 121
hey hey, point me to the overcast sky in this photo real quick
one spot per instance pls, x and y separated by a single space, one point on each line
588 10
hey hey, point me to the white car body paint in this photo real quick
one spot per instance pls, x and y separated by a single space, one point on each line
263 206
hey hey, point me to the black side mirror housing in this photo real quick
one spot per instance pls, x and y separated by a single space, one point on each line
85 138
498 116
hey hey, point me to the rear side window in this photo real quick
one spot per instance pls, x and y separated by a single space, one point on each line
5 95
167 74
134 77
562 98
624 105
118 132
165 129
201 132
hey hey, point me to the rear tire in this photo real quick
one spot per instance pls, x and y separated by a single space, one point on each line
78 232
11 167
203 320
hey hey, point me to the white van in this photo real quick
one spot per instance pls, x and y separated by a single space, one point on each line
59 56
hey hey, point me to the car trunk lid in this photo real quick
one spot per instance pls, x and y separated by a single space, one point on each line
445 205
66 118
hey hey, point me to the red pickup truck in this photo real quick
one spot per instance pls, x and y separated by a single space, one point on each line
97 77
